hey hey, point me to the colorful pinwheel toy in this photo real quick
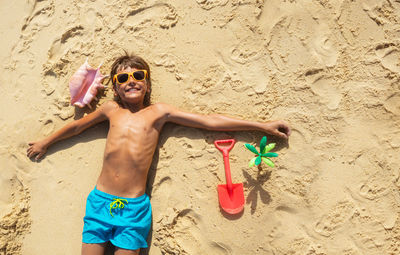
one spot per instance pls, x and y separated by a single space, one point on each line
264 153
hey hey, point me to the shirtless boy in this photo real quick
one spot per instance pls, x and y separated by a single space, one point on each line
118 210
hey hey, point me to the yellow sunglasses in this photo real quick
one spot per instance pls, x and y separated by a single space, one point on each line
138 75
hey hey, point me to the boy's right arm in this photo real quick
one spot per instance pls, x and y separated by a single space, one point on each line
39 148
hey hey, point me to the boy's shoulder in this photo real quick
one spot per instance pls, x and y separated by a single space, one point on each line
109 106
162 107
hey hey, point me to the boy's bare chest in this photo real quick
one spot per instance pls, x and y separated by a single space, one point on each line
130 133
133 124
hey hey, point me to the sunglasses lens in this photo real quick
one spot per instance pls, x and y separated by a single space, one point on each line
139 75
123 77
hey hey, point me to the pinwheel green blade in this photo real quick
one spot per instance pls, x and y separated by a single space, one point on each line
268 148
268 161
251 148
252 162
258 160
270 154
263 143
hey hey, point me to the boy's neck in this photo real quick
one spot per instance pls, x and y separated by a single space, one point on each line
133 107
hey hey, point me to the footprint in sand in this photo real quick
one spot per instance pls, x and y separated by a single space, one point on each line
289 236
41 16
65 43
48 126
7 181
377 192
63 57
170 18
49 82
166 60
329 95
212 79
378 11
247 50
136 19
367 234
193 146
14 212
163 189
301 140
378 172
391 60
91 18
170 63
392 104
325 49
183 233
329 223
243 66
373 190
209 4
56 68
389 56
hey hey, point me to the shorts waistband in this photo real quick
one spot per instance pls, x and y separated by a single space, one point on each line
112 197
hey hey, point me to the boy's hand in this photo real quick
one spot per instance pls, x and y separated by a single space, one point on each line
36 148
279 128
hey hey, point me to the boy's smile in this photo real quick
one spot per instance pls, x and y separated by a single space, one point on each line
132 88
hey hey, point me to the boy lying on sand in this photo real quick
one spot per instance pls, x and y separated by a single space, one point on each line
118 210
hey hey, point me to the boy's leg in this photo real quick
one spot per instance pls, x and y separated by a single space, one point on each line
119 251
93 248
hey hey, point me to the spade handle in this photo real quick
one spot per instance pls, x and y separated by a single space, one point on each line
225 152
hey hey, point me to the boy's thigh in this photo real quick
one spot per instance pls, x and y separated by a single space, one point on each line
119 251
93 248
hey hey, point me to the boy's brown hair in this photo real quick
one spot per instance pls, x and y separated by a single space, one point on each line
132 61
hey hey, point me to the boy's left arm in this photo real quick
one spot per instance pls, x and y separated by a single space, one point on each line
218 122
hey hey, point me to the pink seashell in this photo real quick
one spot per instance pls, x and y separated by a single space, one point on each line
84 85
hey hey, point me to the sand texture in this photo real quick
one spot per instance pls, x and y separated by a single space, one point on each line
330 68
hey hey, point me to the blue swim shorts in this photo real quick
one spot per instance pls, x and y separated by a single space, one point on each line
125 222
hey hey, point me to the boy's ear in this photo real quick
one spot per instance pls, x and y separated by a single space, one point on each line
115 92
148 87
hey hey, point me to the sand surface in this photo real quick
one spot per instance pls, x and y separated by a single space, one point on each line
330 68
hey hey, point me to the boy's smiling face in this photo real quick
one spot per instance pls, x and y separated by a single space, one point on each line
131 91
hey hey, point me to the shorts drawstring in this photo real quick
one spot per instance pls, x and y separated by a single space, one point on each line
118 203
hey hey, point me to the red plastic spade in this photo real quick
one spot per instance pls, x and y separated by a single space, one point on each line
231 196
